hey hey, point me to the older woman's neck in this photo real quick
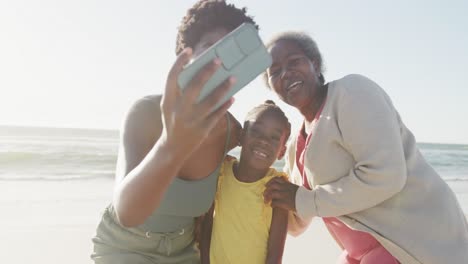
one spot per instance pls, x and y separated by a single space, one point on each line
309 111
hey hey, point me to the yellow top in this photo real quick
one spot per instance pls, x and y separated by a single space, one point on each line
241 223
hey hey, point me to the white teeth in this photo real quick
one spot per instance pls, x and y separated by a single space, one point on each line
292 85
261 154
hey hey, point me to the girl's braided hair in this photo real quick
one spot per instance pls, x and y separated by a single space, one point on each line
269 106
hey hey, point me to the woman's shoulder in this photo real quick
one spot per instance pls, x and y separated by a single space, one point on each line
146 103
357 87
143 115
356 83
145 106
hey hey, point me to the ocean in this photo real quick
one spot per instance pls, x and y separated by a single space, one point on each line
56 154
60 154
55 183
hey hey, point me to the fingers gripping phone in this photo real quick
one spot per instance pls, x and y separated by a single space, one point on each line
243 56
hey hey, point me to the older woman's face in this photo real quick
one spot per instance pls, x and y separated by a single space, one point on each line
292 74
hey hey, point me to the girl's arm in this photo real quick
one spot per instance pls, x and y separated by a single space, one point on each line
205 236
277 238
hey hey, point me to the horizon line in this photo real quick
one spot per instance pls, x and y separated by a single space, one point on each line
118 131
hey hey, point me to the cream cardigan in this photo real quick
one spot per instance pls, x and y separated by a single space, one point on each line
364 167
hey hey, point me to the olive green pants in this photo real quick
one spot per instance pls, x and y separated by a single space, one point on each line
118 245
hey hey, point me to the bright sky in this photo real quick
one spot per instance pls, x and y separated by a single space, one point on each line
82 63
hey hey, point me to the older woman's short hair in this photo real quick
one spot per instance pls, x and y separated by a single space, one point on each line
306 43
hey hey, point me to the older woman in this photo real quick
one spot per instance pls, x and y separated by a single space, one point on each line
358 167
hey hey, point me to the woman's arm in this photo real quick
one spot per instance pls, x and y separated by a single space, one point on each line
205 236
150 168
136 173
371 133
282 193
296 225
277 238
370 130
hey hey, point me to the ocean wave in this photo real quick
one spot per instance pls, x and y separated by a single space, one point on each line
455 179
60 157
111 174
57 178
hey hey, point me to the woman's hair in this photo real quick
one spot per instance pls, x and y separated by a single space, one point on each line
269 106
306 43
205 16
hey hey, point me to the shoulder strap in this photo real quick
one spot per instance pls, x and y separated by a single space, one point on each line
228 138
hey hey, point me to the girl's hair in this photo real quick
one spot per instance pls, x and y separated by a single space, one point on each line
308 46
205 16
269 106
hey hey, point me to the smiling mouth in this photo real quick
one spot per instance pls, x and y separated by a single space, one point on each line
260 153
294 85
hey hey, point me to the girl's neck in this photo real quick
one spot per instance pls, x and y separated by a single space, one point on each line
245 173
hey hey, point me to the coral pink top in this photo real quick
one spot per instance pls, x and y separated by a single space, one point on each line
356 243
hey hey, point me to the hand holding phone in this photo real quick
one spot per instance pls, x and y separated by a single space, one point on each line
186 123
242 55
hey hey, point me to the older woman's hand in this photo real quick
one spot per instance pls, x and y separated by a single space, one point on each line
281 193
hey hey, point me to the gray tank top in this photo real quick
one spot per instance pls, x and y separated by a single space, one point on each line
184 200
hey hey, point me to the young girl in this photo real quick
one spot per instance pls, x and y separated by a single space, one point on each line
243 229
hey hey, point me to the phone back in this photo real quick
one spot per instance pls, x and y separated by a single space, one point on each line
243 56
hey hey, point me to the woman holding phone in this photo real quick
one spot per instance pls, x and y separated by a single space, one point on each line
170 152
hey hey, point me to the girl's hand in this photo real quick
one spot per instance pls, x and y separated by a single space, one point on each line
186 123
281 193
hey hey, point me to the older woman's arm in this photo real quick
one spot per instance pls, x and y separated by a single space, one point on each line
370 129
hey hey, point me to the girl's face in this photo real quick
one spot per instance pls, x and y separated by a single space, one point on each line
263 140
292 75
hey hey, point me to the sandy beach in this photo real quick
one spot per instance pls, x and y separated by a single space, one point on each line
50 222
53 222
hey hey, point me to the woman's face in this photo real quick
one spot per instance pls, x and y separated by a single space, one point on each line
292 75
207 40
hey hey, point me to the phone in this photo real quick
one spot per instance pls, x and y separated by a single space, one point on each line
243 56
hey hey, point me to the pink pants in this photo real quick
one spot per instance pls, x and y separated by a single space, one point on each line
359 247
